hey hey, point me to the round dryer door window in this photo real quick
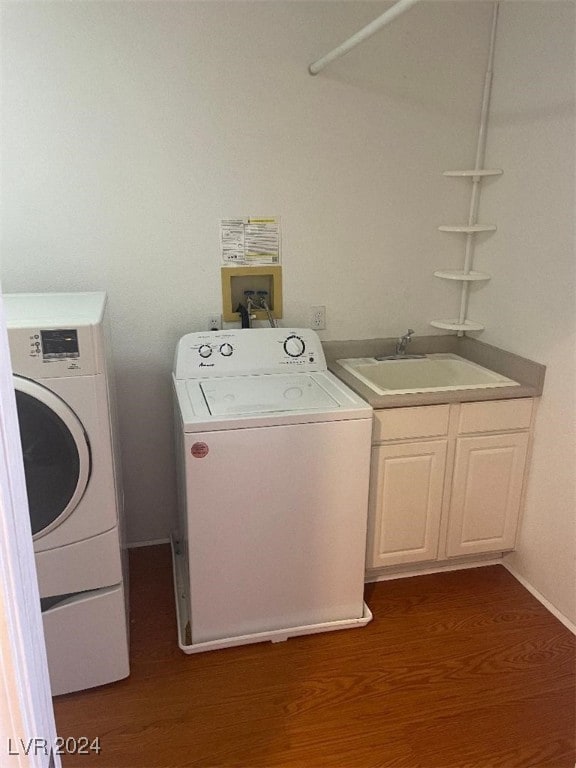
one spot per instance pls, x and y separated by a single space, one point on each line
56 455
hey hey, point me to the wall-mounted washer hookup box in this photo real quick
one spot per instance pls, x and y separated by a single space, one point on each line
237 280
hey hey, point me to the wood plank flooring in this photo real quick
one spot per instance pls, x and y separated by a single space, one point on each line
457 670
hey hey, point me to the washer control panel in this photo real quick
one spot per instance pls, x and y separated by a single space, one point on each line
247 351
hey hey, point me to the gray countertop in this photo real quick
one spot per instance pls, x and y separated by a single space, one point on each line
527 373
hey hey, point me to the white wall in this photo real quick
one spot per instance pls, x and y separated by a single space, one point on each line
131 129
529 305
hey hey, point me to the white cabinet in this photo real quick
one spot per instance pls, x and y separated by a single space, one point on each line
486 493
454 491
406 502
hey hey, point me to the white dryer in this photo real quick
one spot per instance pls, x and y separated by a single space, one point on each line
273 457
64 402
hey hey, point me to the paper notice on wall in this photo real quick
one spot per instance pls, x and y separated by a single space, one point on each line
252 241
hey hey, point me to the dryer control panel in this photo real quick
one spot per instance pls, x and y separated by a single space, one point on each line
46 353
54 335
248 351
59 344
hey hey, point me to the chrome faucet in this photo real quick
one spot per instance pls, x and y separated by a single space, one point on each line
403 342
400 350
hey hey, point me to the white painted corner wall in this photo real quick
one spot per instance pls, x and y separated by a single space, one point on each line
529 306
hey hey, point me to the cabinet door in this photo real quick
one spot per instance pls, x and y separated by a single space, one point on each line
406 487
486 493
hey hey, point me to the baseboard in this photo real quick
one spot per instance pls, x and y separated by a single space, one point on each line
546 603
401 572
136 544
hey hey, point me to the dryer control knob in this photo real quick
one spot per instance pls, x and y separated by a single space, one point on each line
226 350
205 350
294 346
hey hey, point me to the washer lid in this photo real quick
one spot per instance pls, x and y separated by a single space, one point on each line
245 395
236 402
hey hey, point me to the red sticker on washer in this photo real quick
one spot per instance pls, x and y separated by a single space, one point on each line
199 450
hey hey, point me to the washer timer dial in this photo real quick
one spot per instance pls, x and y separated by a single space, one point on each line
294 346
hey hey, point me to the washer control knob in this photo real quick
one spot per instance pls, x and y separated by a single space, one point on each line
294 346
226 350
205 350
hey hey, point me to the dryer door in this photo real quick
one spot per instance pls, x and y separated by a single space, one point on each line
56 455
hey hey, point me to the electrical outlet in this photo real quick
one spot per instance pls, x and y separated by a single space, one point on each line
318 318
214 322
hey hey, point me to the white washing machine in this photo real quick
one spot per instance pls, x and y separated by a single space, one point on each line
67 429
273 457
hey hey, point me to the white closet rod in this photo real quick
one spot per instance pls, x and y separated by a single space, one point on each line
361 35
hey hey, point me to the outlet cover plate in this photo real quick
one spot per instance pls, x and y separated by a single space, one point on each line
318 318
214 323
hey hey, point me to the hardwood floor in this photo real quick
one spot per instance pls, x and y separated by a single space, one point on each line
457 670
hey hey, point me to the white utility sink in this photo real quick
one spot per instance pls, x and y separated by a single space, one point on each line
431 373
